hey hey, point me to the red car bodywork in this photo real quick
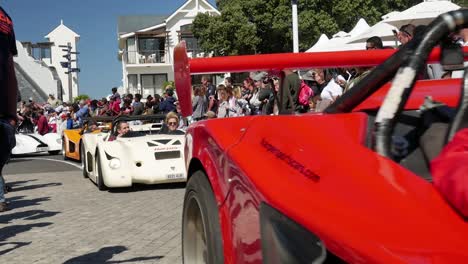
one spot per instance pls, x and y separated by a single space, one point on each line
317 170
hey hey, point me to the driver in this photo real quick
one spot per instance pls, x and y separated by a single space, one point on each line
123 128
172 125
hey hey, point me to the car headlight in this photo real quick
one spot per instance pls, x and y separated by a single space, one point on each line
285 241
114 163
59 140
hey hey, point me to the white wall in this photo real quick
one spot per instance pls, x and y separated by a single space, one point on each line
39 73
173 25
61 36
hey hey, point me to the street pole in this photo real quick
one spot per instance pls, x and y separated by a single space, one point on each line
295 27
70 79
68 65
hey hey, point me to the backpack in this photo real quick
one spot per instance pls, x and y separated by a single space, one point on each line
305 92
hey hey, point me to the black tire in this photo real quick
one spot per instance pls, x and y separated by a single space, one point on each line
201 232
63 150
54 152
83 160
99 181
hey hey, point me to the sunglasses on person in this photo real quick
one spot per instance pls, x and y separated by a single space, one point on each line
172 123
370 47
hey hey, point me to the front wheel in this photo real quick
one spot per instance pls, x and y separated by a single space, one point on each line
64 151
201 232
83 160
99 179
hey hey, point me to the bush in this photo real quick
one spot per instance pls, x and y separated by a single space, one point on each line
81 97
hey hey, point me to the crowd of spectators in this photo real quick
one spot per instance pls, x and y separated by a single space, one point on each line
258 94
55 116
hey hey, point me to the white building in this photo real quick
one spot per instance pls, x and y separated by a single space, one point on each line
62 35
38 67
146 45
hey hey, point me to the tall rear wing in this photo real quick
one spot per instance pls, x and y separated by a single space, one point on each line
185 67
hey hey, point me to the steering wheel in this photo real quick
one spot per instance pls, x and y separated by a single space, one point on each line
405 78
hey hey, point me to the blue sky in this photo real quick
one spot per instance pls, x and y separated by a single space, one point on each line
95 21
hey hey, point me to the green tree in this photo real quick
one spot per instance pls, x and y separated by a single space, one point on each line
264 26
81 97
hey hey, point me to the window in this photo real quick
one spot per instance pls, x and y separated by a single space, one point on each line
131 51
40 53
150 45
132 83
187 35
152 84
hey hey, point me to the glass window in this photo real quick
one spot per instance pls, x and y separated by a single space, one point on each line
148 44
132 83
131 51
152 84
191 42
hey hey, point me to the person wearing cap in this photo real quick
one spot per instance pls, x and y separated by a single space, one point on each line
255 103
406 33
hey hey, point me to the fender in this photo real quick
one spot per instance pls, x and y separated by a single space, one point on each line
221 135
107 150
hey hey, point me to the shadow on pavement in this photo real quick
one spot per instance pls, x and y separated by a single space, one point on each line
146 187
36 186
15 202
26 215
105 254
16 245
15 183
13 230
13 160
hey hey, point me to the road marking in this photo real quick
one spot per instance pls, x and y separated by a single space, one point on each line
66 162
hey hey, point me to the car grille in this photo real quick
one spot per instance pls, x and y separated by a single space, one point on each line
167 155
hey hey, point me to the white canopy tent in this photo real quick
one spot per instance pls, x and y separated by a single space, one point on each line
320 42
339 40
381 29
421 14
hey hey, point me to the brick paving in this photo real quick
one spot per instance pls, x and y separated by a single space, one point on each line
60 217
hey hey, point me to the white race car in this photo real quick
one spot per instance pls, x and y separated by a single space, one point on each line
35 143
142 156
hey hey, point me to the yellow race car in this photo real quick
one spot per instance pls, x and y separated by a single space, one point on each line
71 139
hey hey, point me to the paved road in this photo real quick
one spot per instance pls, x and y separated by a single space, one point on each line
57 216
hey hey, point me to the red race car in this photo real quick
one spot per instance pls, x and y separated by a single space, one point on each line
350 185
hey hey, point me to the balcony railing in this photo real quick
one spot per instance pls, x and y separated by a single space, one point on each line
156 56
145 57
196 54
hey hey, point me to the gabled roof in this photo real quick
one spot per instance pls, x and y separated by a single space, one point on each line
188 2
60 29
128 24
